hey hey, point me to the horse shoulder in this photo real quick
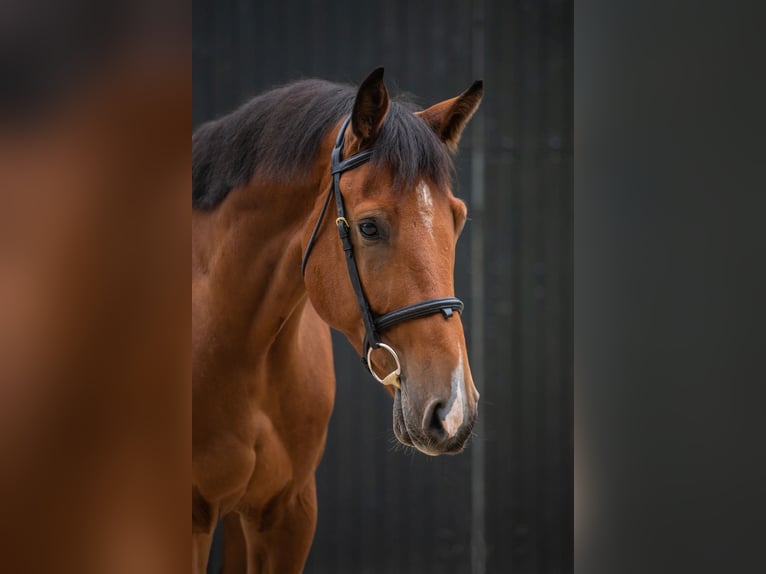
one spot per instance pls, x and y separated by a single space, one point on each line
303 377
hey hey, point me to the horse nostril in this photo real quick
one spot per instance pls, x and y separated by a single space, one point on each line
432 421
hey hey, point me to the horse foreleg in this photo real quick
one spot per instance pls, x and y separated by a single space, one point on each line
204 516
200 551
281 546
234 559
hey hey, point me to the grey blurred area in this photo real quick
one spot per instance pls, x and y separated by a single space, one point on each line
50 49
669 286
505 504
94 108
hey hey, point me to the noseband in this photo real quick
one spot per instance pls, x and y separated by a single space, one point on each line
372 325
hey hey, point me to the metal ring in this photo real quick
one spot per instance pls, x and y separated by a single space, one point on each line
396 372
343 219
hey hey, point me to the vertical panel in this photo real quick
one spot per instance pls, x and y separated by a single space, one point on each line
500 409
224 66
529 157
246 21
556 256
201 58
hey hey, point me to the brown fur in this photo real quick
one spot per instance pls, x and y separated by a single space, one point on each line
450 117
263 382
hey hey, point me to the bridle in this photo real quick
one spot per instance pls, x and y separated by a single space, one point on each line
372 325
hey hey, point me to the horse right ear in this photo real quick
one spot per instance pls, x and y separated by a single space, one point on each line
370 108
449 117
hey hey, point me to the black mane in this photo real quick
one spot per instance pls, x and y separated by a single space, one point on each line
278 133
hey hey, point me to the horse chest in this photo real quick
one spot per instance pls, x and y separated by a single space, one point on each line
273 464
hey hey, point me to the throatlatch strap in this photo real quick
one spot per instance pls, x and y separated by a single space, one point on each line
314 233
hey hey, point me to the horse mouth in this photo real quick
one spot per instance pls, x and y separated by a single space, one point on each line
415 439
400 427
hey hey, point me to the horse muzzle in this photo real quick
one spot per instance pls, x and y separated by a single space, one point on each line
440 427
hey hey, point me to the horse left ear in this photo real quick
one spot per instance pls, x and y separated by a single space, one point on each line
370 107
448 118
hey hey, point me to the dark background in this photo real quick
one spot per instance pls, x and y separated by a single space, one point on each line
669 284
505 504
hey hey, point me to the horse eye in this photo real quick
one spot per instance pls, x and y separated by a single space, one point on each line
368 229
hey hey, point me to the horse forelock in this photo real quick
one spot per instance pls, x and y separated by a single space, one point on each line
277 135
409 149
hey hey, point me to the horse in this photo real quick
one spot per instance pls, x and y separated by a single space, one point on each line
273 271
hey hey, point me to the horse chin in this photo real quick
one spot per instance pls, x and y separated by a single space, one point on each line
404 436
400 427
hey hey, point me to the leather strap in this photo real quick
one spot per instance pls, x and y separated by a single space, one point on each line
445 306
372 339
352 162
313 237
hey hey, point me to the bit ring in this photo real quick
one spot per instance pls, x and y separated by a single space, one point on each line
395 372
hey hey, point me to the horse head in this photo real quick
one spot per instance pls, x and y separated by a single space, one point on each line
402 222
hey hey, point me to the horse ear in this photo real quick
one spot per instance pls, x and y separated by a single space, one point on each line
448 118
370 107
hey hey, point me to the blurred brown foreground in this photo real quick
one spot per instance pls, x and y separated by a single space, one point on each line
95 408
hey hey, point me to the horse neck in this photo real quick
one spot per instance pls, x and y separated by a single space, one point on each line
249 249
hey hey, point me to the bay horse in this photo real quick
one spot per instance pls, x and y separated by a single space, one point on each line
273 268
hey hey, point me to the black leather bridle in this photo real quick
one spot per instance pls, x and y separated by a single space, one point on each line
372 325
